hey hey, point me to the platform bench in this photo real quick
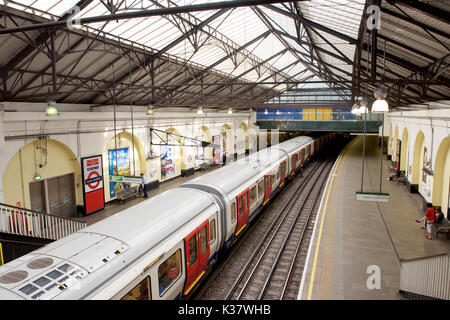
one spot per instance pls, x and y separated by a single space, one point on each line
127 193
443 230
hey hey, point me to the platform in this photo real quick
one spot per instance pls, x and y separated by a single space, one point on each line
117 206
351 236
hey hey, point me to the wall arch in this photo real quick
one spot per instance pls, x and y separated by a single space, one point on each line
204 134
442 176
56 158
136 154
179 153
227 139
419 144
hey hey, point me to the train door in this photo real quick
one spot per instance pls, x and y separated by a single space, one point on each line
267 187
303 157
308 151
283 172
294 162
197 254
243 210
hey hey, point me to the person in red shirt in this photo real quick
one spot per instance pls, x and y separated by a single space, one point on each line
430 216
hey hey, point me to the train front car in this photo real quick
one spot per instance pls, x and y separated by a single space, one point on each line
157 249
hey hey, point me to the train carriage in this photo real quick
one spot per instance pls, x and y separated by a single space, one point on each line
163 247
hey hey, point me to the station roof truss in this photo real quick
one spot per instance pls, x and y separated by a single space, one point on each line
222 54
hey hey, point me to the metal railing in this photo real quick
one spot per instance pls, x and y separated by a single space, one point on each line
426 276
319 116
25 222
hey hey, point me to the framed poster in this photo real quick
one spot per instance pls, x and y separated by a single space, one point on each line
92 176
119 165
216 150
397 165
167 162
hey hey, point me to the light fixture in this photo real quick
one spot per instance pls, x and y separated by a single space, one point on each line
200 110
380 105
266 112
149 111
230 111
363 106
51 109
37 177
278 111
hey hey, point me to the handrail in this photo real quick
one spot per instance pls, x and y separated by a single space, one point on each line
39 212
425 257
30 223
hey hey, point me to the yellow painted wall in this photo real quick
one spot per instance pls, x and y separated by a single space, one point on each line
404 162
442 175
24 165
389 149
417 158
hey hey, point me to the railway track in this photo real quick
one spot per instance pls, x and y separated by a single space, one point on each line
268 261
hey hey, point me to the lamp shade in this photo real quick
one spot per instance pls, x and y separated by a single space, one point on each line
361 110
51 111
380 105
200 110
230 111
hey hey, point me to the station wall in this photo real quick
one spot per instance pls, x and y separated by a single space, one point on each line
425 152
73 135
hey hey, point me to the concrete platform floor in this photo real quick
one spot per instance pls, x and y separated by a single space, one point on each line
117 206
352 238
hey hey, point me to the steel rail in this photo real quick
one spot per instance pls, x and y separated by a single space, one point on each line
274 226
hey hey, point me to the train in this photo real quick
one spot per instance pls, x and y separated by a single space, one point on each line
163 247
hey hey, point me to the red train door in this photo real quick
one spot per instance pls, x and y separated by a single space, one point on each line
294 162
197 254
283 172
308 151
192 260
243 211
267 187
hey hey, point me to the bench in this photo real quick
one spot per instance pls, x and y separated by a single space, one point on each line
401 178
443 227
127 193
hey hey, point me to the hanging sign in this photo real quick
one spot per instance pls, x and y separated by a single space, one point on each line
126 179
370 196
92 170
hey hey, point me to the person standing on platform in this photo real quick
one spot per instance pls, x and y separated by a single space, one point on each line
430 217
142 186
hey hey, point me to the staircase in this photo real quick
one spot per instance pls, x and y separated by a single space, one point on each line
426 277
29 223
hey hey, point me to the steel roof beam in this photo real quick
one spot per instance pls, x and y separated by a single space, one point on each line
144 14
422 7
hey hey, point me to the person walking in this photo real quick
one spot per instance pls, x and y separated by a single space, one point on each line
142 186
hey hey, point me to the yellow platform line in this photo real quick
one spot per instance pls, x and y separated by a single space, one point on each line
316 253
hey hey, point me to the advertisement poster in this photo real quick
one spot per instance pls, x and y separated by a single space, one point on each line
167 162
121 167
216 150
92 169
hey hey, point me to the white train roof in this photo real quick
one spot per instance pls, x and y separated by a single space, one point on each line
231 176
141 227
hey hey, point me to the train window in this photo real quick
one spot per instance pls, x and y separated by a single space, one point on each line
278 174
260 188
274 178
245 197
193 250
240 207
203 240
233 212
212 231
140 292
252 194
169 270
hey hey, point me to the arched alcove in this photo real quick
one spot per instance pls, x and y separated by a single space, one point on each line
442 176
128 160
41 167
390 143
419 144
394 146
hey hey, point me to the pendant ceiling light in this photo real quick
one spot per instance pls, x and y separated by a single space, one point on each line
149 109
380 105
51 108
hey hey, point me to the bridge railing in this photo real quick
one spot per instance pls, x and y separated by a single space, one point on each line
25 222
426 276
298 114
